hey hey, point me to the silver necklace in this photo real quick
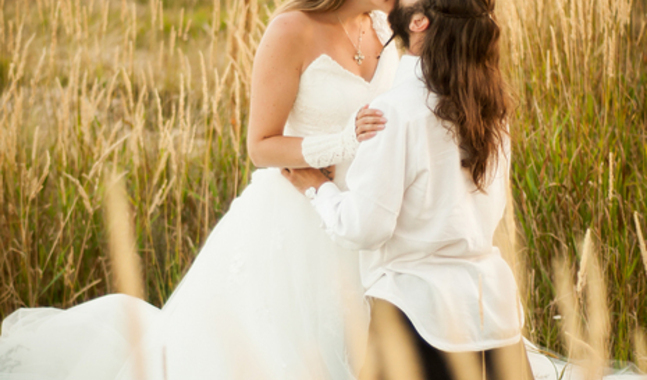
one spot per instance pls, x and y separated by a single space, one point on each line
359 57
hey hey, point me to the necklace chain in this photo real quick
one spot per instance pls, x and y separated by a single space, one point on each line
359 57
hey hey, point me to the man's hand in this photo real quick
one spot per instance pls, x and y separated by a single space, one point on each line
368 122
304 179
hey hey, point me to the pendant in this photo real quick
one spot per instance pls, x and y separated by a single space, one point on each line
359 57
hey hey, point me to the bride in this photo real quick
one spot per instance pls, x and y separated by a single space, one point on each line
269 295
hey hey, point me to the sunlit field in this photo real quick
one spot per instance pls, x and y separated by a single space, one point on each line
157 93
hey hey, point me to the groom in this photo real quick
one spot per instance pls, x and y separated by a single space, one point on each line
424 231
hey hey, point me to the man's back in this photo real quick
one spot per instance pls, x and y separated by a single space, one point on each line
441 208
424 230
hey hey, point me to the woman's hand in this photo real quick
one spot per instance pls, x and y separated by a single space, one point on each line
368 122
303 179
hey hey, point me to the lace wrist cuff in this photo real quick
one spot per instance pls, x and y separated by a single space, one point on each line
325 150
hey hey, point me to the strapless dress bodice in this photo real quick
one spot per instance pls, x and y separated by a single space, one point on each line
329 94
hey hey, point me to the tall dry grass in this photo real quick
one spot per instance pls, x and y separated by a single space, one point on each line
579 71
157 92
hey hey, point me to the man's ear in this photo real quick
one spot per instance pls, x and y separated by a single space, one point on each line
419 23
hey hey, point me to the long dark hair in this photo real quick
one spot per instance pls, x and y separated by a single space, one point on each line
460 64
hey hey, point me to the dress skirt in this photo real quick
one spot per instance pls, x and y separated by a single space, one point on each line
269 295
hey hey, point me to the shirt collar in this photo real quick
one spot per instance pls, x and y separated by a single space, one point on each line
408 68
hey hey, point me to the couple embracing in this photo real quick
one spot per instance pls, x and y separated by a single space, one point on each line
415 183
426 190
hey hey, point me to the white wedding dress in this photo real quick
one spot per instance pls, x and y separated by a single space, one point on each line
269 295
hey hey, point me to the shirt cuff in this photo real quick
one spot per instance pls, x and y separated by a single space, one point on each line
324 203
327 190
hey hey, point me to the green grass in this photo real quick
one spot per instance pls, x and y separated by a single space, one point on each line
579 162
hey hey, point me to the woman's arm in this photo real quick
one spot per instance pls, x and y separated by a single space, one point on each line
275 81
365 216
279 62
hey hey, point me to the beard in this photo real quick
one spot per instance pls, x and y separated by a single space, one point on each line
400 18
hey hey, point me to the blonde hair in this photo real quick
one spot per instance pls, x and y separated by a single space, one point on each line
309 6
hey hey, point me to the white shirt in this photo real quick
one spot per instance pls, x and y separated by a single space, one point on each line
424 232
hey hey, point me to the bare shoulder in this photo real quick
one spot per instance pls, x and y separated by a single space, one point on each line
288 41
290 28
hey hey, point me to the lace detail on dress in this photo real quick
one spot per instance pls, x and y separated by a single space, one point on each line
381 26
325 150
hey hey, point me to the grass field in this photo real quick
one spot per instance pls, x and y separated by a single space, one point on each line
157 93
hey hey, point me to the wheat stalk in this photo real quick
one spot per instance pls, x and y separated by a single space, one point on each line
587 252
640 348
641 240
395 347
569 308
598 312
125 263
